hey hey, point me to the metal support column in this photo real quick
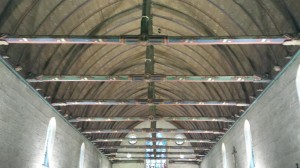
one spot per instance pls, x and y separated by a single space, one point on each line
146 30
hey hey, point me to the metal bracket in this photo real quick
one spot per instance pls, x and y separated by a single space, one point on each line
292 39
151 117
3 42
291 43
147 17
36 79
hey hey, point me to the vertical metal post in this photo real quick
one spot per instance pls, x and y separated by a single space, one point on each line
146 30
146 22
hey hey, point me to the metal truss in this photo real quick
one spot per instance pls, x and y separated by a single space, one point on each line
146 78
150 40
158 153
146 102
158 130
109 119
154 140
152 147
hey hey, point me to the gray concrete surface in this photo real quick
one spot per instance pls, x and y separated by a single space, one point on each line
24 118
274 120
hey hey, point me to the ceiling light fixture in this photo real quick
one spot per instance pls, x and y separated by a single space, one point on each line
132 139
179 139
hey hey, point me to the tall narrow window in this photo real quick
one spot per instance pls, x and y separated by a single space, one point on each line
49 142
99 163
298 83
81 157
160 161
249 147
224 158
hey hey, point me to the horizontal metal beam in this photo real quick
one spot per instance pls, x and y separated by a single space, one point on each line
152 40
149 102
170 161
158 153
185 162
158 130
109 119
152 147
154 140
157 158
147 78
132 161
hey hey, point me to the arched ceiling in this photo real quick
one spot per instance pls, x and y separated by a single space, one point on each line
170 17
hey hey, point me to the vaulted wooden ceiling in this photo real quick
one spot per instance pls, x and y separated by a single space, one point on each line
212 18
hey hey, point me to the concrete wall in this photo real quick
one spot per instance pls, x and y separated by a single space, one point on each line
24 118
274 120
